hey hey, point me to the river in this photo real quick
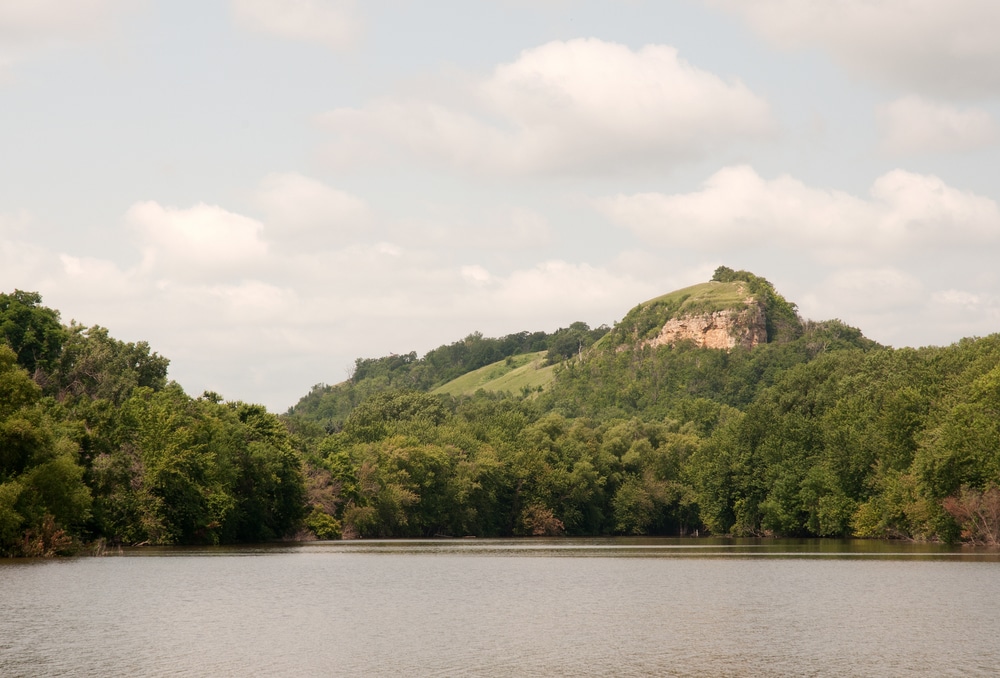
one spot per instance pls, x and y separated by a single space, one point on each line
567 607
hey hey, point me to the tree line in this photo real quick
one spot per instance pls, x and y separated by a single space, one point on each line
819 432
96 445
330 405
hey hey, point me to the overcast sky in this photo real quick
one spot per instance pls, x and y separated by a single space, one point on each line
265 190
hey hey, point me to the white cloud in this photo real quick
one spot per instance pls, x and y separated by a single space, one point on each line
895 306
477 275
20 263
249 302
42 21
566 291
333 23
525 229
87 276
737 208
958 299
929 46
26 27
965 313
874 290
204 240
581 106
300 211
271 330
493 228
914 125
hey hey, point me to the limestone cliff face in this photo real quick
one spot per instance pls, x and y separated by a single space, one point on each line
719 329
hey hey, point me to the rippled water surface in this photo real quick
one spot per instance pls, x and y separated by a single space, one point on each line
508 608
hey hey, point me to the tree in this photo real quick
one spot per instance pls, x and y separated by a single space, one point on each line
43 499
269 487
95 365
31 330
782 318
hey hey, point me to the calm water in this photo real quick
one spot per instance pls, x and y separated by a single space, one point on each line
508 608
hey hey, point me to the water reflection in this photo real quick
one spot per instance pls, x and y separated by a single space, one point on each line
603 607
610 547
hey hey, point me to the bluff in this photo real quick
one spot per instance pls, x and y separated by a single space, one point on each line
735 308
721 329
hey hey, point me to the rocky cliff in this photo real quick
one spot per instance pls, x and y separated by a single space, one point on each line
735 308
723 329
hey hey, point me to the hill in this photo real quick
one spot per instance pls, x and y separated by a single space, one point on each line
329 405
523 374
713 314
734 308
713 408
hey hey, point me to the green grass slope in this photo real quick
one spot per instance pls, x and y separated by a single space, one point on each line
703 297
513 375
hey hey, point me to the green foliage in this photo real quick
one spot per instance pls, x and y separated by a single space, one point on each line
31 330
646 320
95 443
572 341
782 318
269 488
330 406
197 471
323 525
819 432
376 417
95 365
43 499
964 448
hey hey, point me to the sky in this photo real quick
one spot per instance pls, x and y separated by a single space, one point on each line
267 190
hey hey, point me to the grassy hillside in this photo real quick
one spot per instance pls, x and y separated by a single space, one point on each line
517 374
708 296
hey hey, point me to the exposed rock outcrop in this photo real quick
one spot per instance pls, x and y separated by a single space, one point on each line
724 329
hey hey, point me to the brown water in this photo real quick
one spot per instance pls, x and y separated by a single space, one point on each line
508 608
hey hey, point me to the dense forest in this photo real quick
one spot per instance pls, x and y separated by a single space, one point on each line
816 432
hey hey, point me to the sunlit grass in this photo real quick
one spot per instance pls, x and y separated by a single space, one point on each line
513 375
709 295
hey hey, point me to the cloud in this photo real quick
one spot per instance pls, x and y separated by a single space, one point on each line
913 125
41 21
13 224
200 241
958 299
964 313
332 23
492 228
304 212
582 106
524 229
736 208
258 323
928 46
255 322
20 263
26 27
562 292
899 308
477 275
88 276
874 290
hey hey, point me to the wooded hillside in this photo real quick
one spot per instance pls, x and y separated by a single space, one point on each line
818 431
